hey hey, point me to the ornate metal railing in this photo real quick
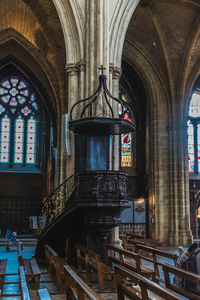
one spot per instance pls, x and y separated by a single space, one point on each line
54 204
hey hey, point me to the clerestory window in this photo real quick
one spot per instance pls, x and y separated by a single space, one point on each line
193 131
18 123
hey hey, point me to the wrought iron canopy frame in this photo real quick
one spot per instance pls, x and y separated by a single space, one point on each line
95 125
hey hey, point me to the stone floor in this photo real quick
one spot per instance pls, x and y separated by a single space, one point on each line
11 286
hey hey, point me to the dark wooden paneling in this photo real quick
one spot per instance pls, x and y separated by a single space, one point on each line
20 197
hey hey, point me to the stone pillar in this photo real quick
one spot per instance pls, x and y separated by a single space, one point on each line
179 229
116 74
72 71
97 43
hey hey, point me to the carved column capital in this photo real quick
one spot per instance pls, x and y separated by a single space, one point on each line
117 72
72 69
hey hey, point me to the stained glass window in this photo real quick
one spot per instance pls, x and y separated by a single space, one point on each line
191 147
194 109
31 146
128 153
19 140
5 139
18 130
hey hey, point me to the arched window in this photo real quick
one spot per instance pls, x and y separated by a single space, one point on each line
193 131
18 123
128 140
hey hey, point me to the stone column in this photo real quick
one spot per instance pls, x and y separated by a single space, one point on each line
97 43
116 74
179 228
72 71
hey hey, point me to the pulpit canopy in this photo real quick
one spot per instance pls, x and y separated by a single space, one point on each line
95 115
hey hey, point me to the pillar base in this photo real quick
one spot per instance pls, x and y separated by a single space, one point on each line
183 238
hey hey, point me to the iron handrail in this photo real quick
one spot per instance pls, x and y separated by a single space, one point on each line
54 203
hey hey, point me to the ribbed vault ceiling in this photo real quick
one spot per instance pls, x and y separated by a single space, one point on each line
167 33
38 22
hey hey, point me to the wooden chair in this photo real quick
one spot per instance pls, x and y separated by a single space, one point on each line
92 261
76 288
185 275
135 286
129 260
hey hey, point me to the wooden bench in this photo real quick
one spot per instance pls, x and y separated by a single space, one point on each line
76 288
133 262
135 286
3 264
50 256
51 259
44 294
32 270
23 284
141 249
92 261
185 275
55 265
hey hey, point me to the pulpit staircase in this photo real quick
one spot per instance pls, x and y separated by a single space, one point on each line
83 210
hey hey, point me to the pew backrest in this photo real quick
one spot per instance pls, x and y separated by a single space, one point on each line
154 252
72 279
184 275
144 284
113 250
23 284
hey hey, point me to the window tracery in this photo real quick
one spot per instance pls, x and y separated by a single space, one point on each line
18 127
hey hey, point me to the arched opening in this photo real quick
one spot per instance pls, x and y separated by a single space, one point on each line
133 150
27 143
193 143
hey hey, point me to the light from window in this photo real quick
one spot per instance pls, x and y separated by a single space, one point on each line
198 145
191 160
19 140
126 146
31 146
18 107
5 139
194 109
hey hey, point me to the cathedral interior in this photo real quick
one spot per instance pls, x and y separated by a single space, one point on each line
99 121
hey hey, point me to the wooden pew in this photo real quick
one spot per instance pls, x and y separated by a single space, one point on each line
185 275
23 284
154 256
3 264
92 261
55 264
44 294
51 259
135 235
135 286
76 288
32 270
133 262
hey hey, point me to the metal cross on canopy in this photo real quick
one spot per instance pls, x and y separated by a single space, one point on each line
102 68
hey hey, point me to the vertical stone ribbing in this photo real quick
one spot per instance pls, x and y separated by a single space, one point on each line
72 71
